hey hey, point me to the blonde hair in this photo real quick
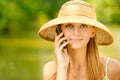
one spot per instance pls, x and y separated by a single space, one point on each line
94 65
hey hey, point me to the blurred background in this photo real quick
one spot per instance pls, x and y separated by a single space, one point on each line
23 53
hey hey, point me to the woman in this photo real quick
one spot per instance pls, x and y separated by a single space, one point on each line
76 33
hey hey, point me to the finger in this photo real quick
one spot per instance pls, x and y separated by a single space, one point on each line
62 40
63 45
58 37
58 43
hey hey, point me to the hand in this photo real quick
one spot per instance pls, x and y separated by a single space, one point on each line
61 52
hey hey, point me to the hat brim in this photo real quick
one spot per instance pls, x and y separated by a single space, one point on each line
103 35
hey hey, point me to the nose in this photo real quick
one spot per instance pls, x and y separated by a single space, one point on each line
76 31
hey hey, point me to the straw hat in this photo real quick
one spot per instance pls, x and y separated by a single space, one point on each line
76 11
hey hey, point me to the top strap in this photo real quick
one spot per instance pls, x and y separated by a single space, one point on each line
106 65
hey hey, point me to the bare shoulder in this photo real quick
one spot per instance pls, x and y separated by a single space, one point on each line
49 70
114 69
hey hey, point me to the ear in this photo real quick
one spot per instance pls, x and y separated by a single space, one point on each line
93 32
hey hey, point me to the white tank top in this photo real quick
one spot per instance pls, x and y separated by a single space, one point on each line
106 70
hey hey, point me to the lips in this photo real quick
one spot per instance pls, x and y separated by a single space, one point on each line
75 40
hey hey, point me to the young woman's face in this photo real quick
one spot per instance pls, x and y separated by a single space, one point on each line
78 34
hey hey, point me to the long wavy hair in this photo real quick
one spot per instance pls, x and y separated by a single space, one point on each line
95 69
94 64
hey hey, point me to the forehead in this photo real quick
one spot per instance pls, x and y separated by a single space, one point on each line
75 24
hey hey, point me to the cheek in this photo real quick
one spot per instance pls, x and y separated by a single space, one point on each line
88 34
66 33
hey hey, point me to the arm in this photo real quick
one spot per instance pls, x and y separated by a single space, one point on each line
57 71
62 57
114 69
61 73
49 71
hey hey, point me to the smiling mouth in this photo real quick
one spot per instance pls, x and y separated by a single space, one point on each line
76 40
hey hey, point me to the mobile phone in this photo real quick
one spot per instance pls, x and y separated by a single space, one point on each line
58 31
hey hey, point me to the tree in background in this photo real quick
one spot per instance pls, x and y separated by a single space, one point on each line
29 15
108 11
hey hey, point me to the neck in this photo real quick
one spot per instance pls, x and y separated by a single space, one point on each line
77 57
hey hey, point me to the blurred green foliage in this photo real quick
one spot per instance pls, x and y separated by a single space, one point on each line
108 11
23 53
22 15
17 15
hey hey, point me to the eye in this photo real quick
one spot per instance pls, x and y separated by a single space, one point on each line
69 26
84 26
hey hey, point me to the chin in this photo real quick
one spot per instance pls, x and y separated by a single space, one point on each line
76 47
